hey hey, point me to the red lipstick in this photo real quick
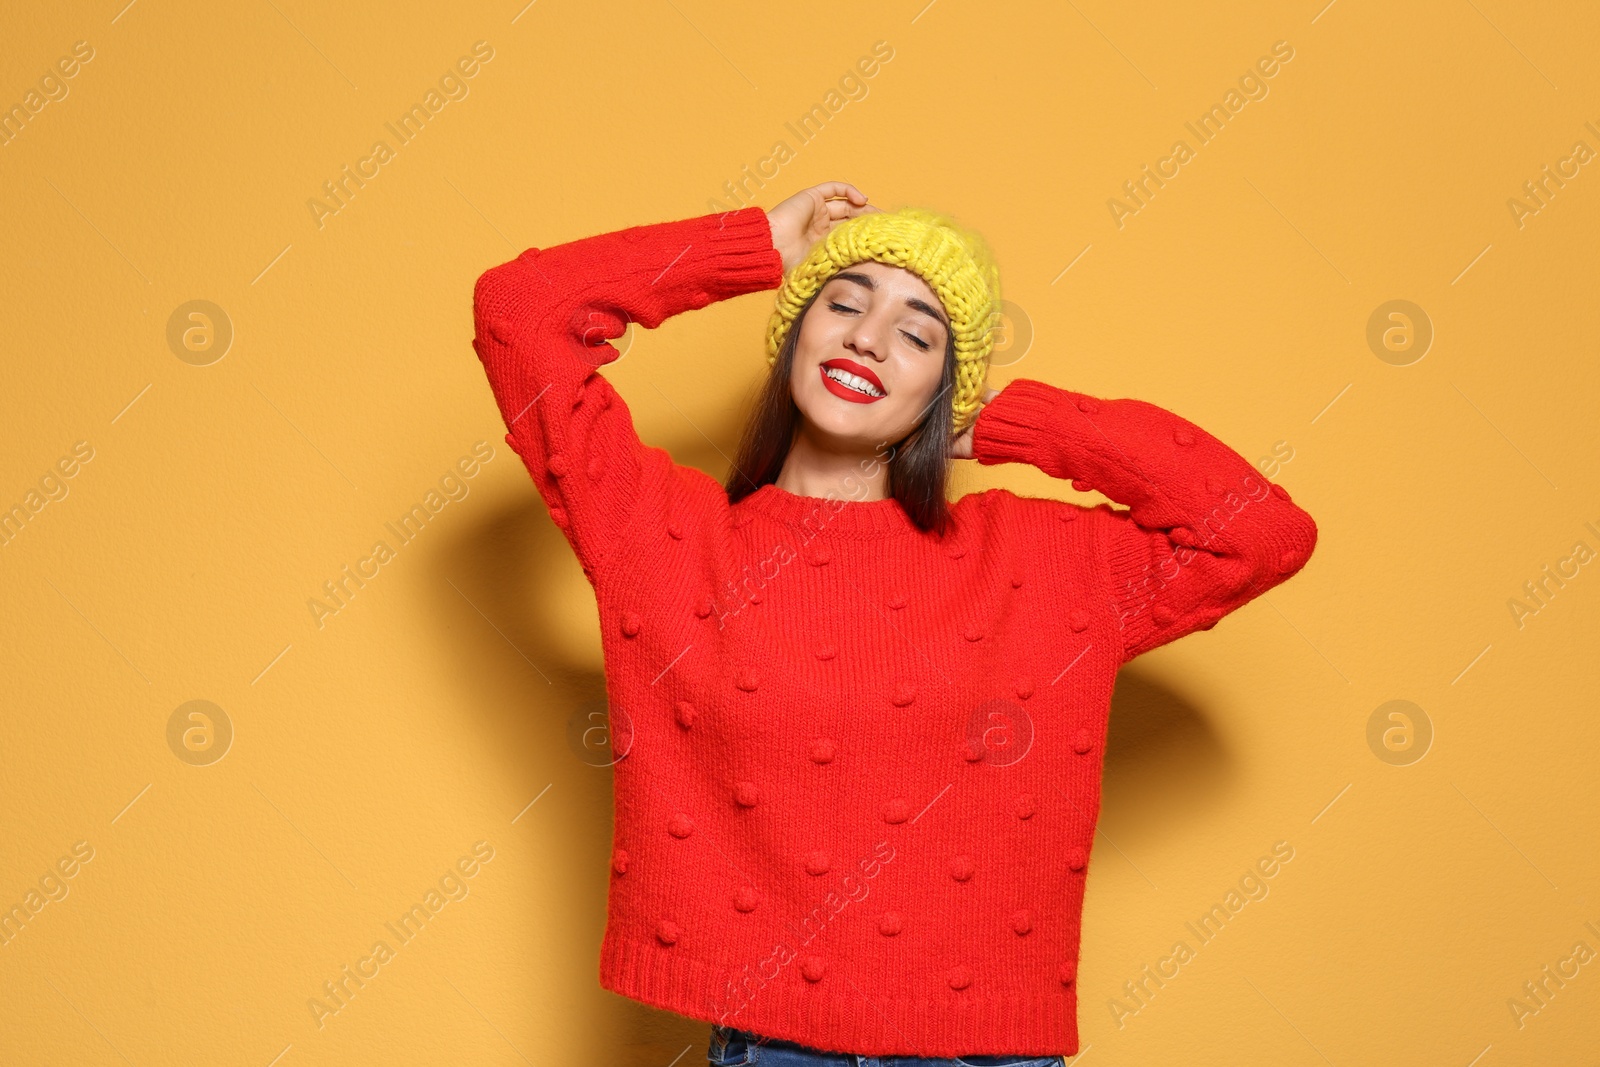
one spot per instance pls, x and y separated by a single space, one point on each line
851 392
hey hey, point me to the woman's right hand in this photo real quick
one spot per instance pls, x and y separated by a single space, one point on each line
807 216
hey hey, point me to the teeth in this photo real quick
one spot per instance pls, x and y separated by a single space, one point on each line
852 381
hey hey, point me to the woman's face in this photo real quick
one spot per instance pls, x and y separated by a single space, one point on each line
870 355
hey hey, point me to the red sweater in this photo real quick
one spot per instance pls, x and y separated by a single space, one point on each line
863 764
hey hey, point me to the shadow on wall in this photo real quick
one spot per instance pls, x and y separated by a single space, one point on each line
1163 762
1161 758
516 567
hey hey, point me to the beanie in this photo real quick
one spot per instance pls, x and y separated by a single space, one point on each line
955 262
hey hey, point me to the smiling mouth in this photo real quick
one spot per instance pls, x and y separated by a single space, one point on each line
851 381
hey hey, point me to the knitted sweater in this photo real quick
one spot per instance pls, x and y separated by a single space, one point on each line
862 763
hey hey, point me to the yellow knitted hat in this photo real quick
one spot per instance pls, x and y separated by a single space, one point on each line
955 262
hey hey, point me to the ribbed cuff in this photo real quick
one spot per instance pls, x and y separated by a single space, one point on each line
1021 424
745 259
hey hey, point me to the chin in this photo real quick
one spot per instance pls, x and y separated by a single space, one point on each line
846 424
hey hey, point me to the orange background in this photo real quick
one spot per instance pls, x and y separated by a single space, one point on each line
230 866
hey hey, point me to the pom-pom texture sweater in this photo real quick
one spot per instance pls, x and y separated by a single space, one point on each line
861 764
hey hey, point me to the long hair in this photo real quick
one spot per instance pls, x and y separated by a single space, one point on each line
918 464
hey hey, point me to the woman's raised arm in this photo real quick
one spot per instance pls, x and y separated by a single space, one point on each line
543 322
1204 532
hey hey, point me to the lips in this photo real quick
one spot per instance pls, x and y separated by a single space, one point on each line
851 381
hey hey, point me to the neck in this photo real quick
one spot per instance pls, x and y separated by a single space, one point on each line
818 467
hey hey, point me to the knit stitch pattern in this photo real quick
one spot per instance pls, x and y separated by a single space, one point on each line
955 262
862 764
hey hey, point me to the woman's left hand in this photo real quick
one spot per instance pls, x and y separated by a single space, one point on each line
961 444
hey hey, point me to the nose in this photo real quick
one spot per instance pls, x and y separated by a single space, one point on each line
863 339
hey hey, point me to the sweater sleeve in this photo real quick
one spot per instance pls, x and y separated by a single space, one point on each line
543 323
1204 533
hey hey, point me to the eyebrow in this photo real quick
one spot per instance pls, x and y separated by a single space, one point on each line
911 301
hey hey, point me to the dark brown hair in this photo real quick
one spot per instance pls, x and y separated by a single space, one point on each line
918 464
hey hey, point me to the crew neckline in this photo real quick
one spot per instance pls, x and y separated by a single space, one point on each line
820 515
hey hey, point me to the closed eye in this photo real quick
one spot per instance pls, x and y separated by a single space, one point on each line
914 339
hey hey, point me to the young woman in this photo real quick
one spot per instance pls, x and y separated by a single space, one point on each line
862 726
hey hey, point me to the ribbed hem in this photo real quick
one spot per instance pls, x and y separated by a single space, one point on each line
839 1015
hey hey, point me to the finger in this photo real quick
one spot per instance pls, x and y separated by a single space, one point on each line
835 212
854 195
845 189
847 207
990 394
841 209
837 218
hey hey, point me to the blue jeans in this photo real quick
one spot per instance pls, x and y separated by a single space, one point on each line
741 1048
